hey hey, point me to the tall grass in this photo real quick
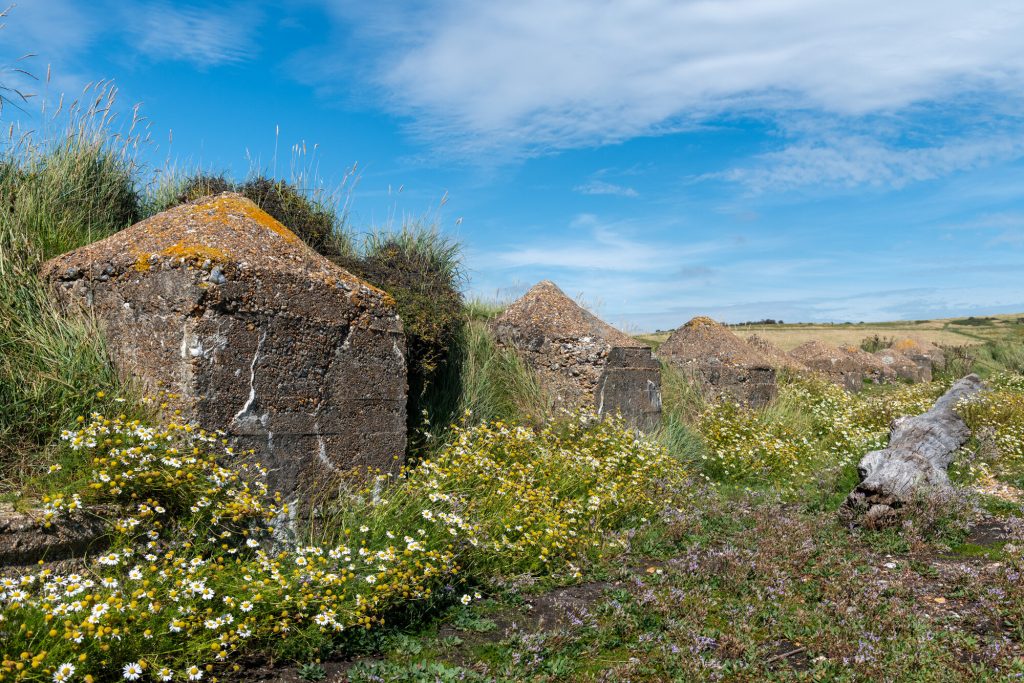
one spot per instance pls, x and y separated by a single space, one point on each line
987 359
479 383
682 402
484 309
57 194
1005 355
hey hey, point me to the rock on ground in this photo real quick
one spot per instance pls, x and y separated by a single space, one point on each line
251 332
779 359
872 366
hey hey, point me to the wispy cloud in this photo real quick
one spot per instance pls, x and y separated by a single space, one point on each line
545 75
1007 226
858 160
605 247
202 36
601 187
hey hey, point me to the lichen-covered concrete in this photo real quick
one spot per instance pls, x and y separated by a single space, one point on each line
722 363
568 347
249 331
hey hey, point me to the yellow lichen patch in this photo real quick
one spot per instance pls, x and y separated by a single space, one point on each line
905 345
195 252
142 263
702 321
232 204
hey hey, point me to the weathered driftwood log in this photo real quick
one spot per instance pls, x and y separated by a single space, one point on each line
920 449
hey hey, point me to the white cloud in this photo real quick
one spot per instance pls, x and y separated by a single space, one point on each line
852 161
1008 227
602 187
606 248
202 36
538 74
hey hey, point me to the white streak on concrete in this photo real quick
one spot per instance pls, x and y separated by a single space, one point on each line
252 378
321 447
184 340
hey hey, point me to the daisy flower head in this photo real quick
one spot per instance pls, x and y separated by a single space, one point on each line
64 672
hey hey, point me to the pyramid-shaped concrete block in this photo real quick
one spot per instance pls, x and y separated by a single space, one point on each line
721 362
250 332
836 364
569 348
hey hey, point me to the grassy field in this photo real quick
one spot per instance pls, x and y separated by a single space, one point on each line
943 331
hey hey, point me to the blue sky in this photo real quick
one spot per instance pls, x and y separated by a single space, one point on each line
809 160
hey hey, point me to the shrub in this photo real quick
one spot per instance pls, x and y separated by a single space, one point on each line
526 500
812 427
421 269
998 415
313 221
745 447
876 343
987 359
1005 355
959 362
203 185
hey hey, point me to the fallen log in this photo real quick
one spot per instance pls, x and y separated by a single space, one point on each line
920 450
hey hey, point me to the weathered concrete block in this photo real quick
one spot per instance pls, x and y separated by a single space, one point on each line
251 332
630 385
25 540
722 363
837 365
565 344
905 367
925 354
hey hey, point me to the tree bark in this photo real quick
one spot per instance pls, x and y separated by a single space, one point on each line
919 453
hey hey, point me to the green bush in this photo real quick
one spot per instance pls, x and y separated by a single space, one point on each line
421 270
203 185
986 359
876 343
1006 355
315 222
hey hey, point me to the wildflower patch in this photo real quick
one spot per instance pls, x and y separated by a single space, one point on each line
193 577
